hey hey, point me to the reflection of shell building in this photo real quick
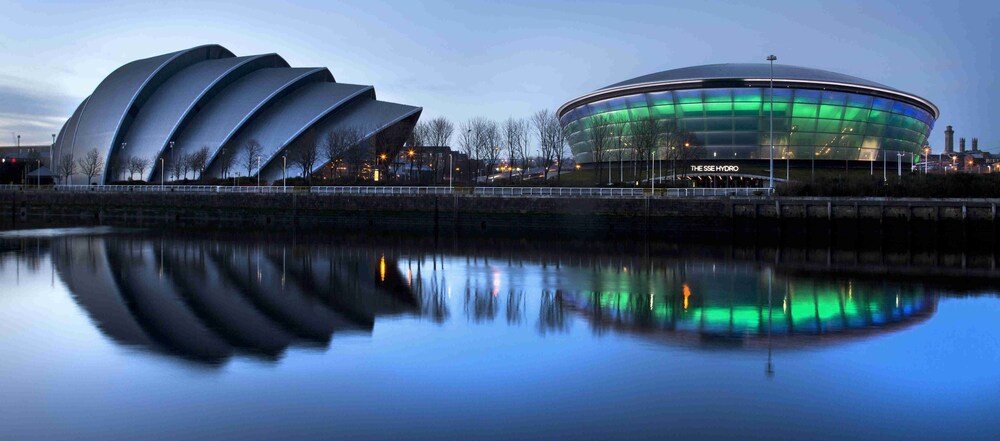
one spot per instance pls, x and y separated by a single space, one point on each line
726 107
207 303
206 97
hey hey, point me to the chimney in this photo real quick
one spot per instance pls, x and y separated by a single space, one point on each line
975 144
949 140
961 145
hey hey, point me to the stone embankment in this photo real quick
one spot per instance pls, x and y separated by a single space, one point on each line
573 216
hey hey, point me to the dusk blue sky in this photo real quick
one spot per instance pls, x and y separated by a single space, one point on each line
496 59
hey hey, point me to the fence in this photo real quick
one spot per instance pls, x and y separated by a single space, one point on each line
375 190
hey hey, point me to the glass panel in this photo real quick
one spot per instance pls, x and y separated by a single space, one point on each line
639 113
831 112
749 94
803 139
828 126
747 108
875 129
725 138
692 124
855 114
688 110
719 109
663 111
746 138
856 100
718 95
688 96
876 116
637 100
834 98
882 104
803 125
717 124
804 110
661 98
807 96
747 124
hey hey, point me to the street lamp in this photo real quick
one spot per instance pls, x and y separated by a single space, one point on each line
51 150
451 170
258 171
284 172
771 59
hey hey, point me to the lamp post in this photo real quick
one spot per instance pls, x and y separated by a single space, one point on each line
284 174
899 165
51 150
652 167
123 151
38 173
162 172
258 171
451 170
770 137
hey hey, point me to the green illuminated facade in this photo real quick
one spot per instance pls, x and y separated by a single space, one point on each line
816 114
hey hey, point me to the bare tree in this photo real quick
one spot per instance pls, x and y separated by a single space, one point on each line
186 164
600 140
136 165
226 160
646 136
199 160
91 165
489 146
542 121
515 143
468 140
176 166
387 146
618 145
338 143
252 150
66 167
304 153
440 132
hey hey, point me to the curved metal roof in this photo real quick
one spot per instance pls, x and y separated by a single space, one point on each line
750 74
278 125
224 115
201 97
740 71
167 108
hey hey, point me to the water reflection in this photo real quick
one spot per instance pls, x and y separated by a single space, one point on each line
209 300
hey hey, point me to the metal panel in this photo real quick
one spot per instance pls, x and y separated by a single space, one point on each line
64 142
166 109
287 118
746 70
115 100
221 117
370 116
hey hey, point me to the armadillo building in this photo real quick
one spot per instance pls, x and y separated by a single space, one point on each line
162 108
818 116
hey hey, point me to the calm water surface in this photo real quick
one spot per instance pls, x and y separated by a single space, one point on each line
112 334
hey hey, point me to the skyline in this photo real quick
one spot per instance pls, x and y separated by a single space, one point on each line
483 60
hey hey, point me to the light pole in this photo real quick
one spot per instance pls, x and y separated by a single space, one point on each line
163 163
770 137
652 166
123 152
284 173
451 170
899 164
51 150
38 173
258 170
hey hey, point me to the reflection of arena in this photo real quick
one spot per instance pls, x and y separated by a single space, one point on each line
726 107
731 308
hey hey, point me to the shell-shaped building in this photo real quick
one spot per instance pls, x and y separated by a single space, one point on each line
728 110
175 104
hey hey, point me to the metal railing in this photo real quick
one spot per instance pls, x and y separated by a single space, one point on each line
713 192
404 190
619 192
380 190
557 191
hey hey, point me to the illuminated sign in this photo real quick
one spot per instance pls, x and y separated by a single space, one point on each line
715 168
